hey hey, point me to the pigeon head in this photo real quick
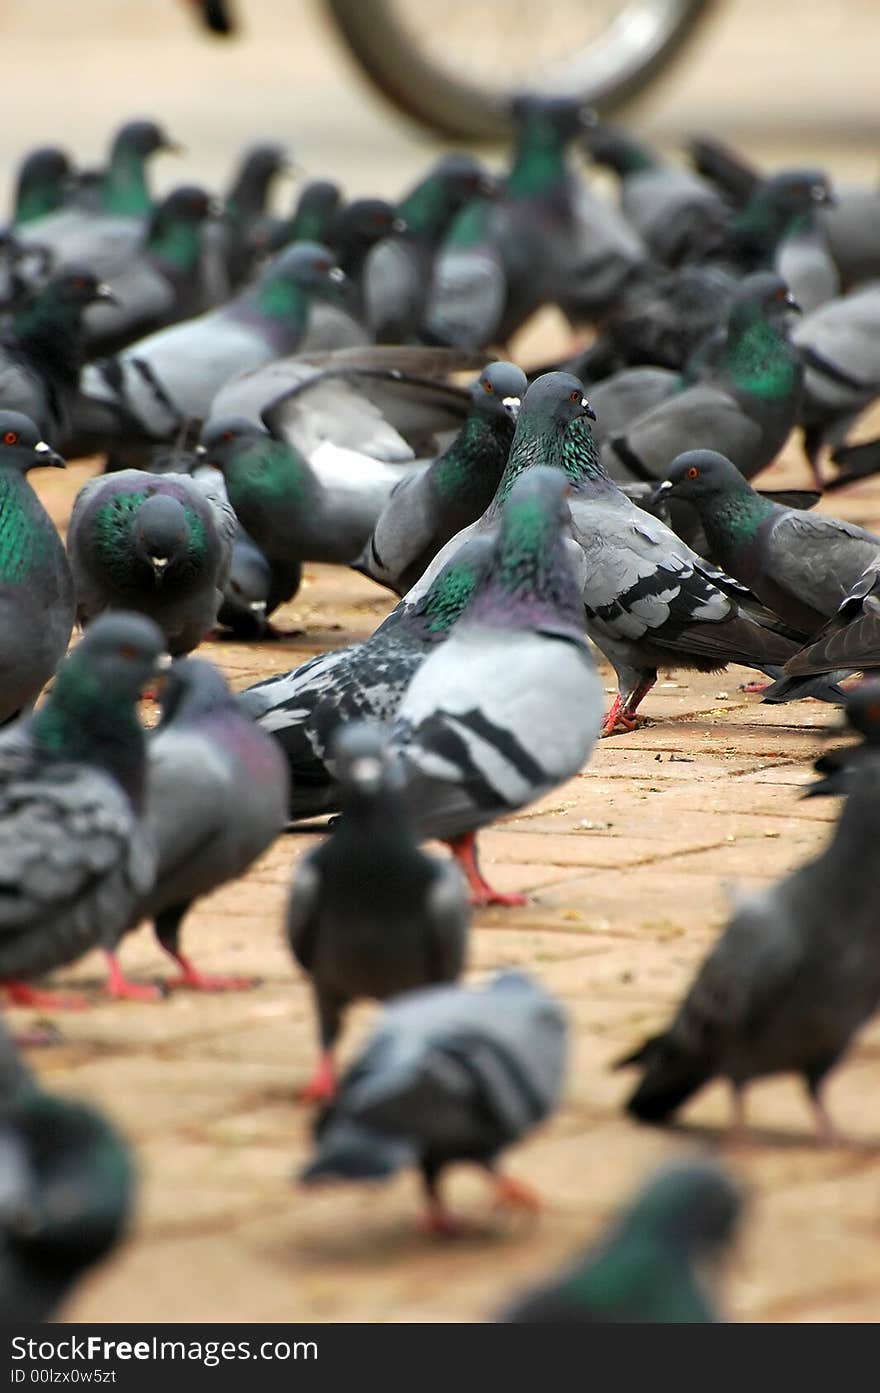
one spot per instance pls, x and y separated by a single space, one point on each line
798 191
64 298
161 533
617 149
297 274
20 445
530 578
174 230
356 228
552 429
262 474
124 185
250 187
759 359
140 139
700 474
310 220
429 208
360 760
250 581
692 1205
556 397
862 711
221 439
80 1187
42 184
559 118
499 390
762 296
192 687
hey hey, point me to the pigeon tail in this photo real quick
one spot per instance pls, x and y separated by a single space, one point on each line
821 688
350 1151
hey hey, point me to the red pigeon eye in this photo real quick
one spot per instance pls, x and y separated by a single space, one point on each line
487 387
575 396
228 435
693 472
11 437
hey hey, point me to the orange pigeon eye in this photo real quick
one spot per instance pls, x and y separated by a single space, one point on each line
693 472
10 438
487 387
575 396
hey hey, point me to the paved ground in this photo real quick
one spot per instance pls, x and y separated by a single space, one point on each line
630 865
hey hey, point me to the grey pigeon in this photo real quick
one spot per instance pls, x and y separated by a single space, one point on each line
244 204
744 405
850 641
426 509
304 709
159 544
840 347
369 914
837 768
292 510
42 350
216 799
36 586
850 228
790 981
42 184
67 1184
255 588
310 220
76 858
510 705
801 565
649 1266
158 384
450 1074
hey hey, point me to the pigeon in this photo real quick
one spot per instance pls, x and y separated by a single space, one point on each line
778 207
255 588
425 510
397 272
366 681
42 350
311 220
216 799
244 204
800 565
850 641
162 382
510 705
102 229
650 1264
158 544
42 184
838 343
76 857
837 767
850 228
731 174
162 283
744 405
67 1187
793 976
292 510
36 586
369 914
449 1074
468 292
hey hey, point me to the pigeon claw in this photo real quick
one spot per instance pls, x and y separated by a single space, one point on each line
191 979
119 988
753 688
20 994
321 1087
515 1195
464 849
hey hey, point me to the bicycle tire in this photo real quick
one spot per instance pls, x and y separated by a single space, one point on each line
424 91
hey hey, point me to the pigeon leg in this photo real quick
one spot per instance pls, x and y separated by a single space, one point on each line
321 1087
738 1123
437 1220
167 926
515 1195
622 716
464 849
826 1132
20 994
121 989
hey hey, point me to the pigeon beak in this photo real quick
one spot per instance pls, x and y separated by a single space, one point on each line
661 491
587 409
288 167
489 186
399 225
512 405
366 774
173 147
159 565
46 456
201 451
589 117
104 292
215 208
337 276
258 606
792 304
820 193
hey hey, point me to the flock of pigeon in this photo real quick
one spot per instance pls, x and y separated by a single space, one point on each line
270 392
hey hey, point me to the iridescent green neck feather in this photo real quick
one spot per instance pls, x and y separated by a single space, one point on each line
26 533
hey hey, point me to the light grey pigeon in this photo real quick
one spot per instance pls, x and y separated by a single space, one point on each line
304 709
790 981
160 544
450 1074
217 792
840 347
168 379
850 227
369 914
510 705
36 586
426 509
76 857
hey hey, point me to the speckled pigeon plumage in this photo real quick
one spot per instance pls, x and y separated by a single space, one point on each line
159 544
649 1266
369 914
36 586
789 982
75 857
450 1074
425 510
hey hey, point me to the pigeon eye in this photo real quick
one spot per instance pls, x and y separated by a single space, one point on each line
228 435
693 472
487 387
127 651
575 396
11 437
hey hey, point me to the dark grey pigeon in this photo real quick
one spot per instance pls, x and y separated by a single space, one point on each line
790 981
840 347
369 914
801 565
294 511
76 857
850 641
426 509
42 184
744 404
170 378
159 544
42 350
216 799
450 1074
304 709
254 590
244 204
36 586
510 705
650 1264
837 768
67 1184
